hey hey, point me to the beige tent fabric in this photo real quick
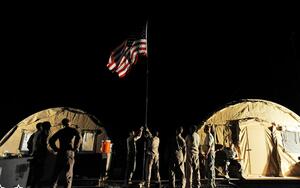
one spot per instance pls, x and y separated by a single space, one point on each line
261 125
78 118
255 108
257 146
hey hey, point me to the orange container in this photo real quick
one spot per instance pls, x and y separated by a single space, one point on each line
106 146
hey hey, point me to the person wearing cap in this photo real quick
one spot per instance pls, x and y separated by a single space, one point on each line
65 158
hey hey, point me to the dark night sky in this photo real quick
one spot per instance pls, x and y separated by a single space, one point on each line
198 63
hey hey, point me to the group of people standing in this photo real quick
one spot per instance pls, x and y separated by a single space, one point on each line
184 157
69 140
151 155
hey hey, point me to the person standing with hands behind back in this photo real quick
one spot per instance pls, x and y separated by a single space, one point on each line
210 157
177 157
65 158
192 158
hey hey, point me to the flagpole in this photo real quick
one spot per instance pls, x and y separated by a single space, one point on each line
146 102
147 80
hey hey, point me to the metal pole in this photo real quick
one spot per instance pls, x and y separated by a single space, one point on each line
146 105
147 80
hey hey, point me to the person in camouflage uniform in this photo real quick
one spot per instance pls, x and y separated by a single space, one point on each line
69 141
152 157
177 159
210 157
131 154
192 158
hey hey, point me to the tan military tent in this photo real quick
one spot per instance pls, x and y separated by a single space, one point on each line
15 141
268 135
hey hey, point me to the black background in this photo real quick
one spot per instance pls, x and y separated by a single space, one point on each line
198 61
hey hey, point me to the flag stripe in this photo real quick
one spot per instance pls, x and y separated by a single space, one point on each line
124 71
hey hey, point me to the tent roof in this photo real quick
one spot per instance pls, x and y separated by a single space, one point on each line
55 115
256 108
78 118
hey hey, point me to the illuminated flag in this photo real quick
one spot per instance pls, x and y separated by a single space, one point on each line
124 56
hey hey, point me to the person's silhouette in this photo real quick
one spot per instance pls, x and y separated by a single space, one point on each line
69 141
32 139
40 153
131 154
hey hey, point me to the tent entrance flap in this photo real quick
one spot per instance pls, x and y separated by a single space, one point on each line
258 148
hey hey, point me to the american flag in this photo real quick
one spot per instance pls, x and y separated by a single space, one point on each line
124 56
